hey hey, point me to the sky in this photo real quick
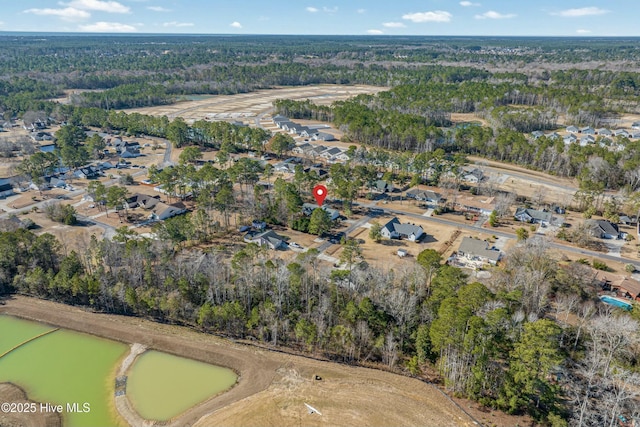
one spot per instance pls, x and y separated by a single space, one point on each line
327 17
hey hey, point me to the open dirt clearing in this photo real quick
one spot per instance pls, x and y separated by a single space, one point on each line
272 387
240 106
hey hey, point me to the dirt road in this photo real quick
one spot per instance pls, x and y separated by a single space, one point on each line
272 387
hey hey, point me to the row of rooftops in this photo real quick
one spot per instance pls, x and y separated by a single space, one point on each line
287 125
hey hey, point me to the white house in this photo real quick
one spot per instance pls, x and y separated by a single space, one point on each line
394 229
162 211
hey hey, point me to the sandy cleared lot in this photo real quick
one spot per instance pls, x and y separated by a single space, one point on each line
241 106
272 387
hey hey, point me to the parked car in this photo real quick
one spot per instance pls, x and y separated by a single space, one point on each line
295 245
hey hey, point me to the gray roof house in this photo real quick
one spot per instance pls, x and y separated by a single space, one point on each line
394 229
604 132
383 186
587 130
603 229
330 152
572 129
570 139
308 208
473 176
267 238
323 136
533 216
424 195
478 250
537 134
6 190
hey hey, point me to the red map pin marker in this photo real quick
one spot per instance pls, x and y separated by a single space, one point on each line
320 192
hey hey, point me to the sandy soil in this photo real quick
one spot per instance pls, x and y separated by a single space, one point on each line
14 394
272 386
241 106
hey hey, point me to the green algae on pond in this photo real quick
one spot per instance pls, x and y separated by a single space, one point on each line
62 367
161 386
14 332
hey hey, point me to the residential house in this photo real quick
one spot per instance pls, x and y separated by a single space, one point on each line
55 182
394 229
428 196
474 176
142 200
587 130
634 134
476 204
129 153
89 172
626 220
383 186
604 132
330 153
621 132
572 129
41 136
553 135
278 119
537 134
323 136
343 157
308 208
586 140
622 286
635 125
162 211
307 132
267 238
6 190
603 229
533 216
570 139
302 148
473 249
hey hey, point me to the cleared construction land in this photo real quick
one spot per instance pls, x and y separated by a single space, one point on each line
246 105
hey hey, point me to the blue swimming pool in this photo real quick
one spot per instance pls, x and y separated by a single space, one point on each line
616 302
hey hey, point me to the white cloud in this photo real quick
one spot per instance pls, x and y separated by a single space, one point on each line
158 9
235 24
361 10
495 15
66 14
468 4
583 31
177 24
434 16
98 5
583 11
330 9
394 25
312 9
107 27
375 32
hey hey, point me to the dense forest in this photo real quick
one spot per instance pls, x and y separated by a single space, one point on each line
531 340
492 342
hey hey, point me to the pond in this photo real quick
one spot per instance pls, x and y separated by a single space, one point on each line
162 386
62 367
